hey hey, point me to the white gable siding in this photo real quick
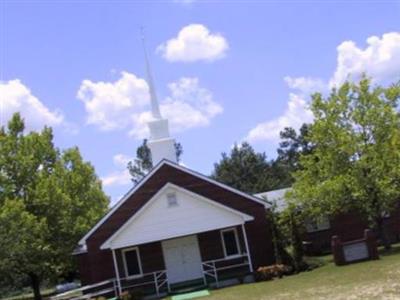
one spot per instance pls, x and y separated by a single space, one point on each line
120 202
157 221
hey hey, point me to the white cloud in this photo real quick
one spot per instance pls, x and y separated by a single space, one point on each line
194 42
296 113
121 176
294 116
116 178
121 160
188 106
111 107
16 97
306 85
380 59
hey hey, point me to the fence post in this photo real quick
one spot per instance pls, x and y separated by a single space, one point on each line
216 274
116 272
247 248
156 283
204 274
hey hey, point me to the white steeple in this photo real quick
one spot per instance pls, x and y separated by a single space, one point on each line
161 145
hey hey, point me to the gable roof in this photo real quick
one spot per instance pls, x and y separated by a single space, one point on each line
149 175
220 219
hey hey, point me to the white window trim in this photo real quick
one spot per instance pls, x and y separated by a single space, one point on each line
126 266
234 229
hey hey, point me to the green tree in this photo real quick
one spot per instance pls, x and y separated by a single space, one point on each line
22 243
291 147
355 162
143 163
48 200
247 170
293 222
280 239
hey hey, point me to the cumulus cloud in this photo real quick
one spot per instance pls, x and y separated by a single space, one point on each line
117 178
194 43
306 85
188 106
124 104
295 115
17 97
121 176
380 59
109 105
121 160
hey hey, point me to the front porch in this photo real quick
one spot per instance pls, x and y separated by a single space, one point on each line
208 259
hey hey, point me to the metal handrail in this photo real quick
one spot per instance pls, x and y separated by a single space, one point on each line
226 258
156 277
213 270
158 282
165 281
88 287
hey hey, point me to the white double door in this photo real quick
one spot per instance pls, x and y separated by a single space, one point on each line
182 259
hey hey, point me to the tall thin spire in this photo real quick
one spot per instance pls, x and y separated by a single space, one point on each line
155 109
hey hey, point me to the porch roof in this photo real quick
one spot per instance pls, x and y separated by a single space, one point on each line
157 220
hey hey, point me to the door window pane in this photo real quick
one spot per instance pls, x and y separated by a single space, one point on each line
132 263
230 242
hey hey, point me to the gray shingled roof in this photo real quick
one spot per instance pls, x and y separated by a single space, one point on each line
276 196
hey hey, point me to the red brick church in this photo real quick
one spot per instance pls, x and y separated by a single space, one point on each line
176 227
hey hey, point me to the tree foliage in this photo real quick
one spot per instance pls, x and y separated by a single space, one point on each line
48 200
143 163
292 146
247 170
355 161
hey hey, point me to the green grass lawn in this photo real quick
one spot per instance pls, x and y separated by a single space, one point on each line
29 295
366 280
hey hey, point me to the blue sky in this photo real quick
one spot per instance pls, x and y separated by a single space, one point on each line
225 71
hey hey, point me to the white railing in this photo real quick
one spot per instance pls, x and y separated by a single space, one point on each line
101 288
211 269
158 278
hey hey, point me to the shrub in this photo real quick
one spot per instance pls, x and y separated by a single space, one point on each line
270 272
125 296
132 295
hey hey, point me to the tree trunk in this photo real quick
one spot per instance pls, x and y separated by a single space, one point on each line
274 232
297 244
382 233
35 284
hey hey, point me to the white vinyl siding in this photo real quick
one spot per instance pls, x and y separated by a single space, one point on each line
159 221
